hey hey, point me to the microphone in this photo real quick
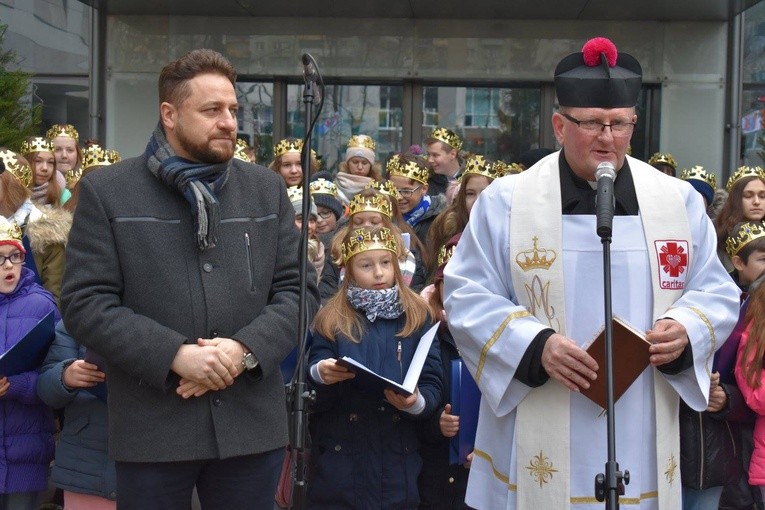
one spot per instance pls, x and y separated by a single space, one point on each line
604 200
309 69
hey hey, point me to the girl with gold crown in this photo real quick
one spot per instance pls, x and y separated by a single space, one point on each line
359 168
746 202
287 161
479 173
66 147
26 426
365 450
373 209
45 234
47 188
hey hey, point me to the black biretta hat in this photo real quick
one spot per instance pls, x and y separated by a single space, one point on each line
598 77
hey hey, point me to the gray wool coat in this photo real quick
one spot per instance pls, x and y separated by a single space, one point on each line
136 287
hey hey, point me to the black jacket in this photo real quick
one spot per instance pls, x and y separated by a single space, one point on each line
710 443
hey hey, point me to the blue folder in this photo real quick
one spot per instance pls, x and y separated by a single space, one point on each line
465 400
29 352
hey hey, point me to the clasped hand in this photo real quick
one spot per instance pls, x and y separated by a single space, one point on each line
208 365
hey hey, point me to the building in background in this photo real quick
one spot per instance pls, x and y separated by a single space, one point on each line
396 68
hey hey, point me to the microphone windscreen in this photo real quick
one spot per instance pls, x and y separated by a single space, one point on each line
605 169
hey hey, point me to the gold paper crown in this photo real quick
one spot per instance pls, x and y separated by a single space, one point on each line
514 168
376 203
322 186
386 188
699 174
411 170
239 149
287 145
62 130
95 155
9 231
295 193
13 165
445 254
744 171
448 137
745 234
363 240
478 165
36 144
361 141
536 258
666 159
392 164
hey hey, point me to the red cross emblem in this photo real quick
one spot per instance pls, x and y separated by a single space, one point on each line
673 259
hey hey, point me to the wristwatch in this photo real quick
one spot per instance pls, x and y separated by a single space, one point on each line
249 361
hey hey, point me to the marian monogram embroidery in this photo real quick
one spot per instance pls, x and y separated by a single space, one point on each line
539 300
673 263
541 468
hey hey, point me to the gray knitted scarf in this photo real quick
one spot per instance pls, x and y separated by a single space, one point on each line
198 183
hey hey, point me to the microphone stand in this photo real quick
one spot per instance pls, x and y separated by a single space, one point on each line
298 394
610 486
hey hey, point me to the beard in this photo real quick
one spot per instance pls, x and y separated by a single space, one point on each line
203 151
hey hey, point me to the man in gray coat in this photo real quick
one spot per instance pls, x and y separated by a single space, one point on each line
182 272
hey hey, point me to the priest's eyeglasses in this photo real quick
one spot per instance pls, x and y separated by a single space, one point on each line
618 128
16 258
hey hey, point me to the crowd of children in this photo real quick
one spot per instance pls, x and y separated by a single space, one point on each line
379 242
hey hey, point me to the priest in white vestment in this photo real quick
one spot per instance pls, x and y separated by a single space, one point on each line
524 297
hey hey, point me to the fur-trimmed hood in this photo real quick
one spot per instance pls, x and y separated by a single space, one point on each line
52 228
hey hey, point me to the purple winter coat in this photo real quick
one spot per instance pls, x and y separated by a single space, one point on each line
26 424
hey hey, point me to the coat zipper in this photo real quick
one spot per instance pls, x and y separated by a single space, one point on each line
701 456
398 356
249 260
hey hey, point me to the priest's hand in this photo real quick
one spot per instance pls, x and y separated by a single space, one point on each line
567 363
669 339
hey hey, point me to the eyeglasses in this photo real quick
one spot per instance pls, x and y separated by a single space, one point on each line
406 193
618 128
326 214
16 258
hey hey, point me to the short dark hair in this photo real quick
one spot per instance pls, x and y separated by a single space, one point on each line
174 78
756 246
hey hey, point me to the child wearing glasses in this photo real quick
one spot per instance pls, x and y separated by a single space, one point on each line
26 424
410 177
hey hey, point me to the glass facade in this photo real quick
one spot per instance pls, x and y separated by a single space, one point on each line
498 123
51 39
753 95
256 117
374 110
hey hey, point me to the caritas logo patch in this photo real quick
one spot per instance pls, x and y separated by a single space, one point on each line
673 263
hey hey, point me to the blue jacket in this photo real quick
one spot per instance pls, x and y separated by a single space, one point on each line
442 485
26 424
364 451
82 463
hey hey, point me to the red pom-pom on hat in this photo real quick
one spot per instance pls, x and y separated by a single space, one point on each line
594 47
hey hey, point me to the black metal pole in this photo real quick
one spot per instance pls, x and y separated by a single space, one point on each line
299 394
